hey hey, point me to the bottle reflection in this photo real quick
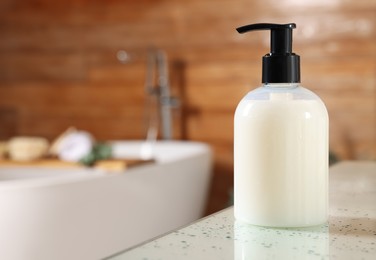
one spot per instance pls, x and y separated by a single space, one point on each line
253 242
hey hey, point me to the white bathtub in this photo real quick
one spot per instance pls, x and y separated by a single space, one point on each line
85 214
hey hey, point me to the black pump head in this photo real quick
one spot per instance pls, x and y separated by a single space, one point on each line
281 65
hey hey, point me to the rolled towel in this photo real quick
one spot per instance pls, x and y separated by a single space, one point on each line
22 148
74 146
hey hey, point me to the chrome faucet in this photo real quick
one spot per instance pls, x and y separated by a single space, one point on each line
159 99
157 85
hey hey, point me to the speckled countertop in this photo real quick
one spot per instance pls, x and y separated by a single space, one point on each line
350 233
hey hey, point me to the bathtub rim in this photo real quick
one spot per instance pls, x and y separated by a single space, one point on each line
191 149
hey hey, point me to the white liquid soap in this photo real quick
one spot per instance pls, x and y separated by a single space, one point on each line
281 145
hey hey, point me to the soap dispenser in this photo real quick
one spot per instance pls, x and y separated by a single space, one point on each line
280 143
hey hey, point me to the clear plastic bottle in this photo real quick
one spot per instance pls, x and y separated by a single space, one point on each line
281 150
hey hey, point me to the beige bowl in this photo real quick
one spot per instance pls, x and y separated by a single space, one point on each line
24 148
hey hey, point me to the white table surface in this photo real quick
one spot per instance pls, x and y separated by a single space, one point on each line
349 234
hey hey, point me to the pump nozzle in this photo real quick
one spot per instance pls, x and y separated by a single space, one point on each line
281 65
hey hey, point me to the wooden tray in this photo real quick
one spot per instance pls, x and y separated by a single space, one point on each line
106 165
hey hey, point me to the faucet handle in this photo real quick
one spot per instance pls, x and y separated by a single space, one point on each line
173 102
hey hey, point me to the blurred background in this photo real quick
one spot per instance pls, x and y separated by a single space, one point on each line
59 68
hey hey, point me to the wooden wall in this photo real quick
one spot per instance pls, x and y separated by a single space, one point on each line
58 68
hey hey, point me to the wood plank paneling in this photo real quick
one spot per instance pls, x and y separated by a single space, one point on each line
27 66
9 122
58 68
58 93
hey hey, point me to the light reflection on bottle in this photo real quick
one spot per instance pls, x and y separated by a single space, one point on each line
253 242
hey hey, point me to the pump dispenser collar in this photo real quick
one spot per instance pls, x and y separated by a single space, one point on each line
281 65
